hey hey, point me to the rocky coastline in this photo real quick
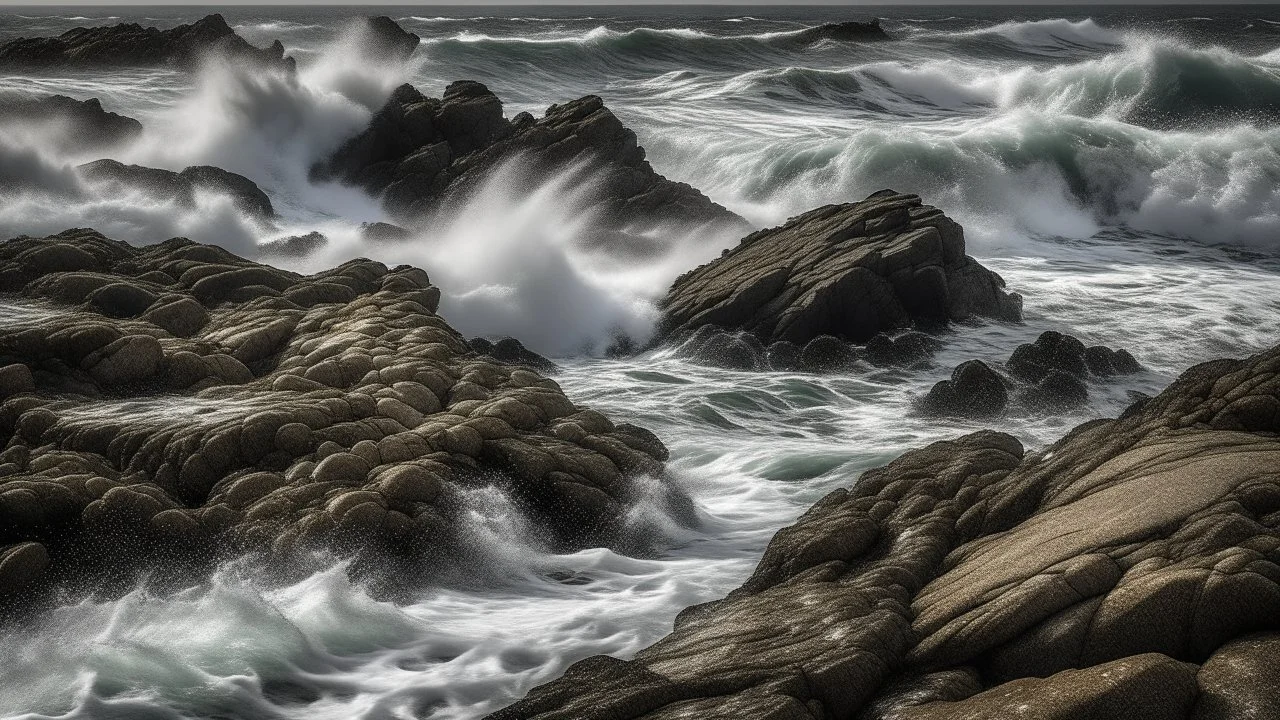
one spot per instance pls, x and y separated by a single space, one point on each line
1127 571
167 407
178 402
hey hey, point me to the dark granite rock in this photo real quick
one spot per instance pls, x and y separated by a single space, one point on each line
387 41
129 44
974 391
850 271
421 153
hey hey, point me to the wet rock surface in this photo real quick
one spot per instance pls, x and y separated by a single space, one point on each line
850 271
1048 375
130 44
420 153
177 403
80 124
1127 571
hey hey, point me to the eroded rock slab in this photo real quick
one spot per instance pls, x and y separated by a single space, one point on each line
178 401
850 271
1129 570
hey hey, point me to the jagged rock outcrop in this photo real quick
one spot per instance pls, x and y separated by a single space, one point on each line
385 41
130 44
850 31
177 402
419 153
1128 571
850 271
113 176
80 124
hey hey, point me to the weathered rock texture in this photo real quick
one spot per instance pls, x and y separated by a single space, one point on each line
1048 374
850 271
80 124
1128 571
130 44
115 176
419 153
179 400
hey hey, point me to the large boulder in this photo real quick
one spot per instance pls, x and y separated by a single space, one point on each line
419 153
130 44
850 271
1130 570
181 403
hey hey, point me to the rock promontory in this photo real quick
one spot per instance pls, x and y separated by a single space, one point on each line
1131 570
164 406
420 153
132 45
850 271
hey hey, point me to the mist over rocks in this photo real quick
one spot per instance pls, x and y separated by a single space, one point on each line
174 404
130 44
1129 570
420 153
81 124
182 186
387 41
850 271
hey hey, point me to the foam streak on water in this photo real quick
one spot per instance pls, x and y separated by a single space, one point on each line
1121 170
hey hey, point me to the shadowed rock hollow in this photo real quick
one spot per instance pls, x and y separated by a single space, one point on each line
1128 571
849 271
179 402
420 153
130 44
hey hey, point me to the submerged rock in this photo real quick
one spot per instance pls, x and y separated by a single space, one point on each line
1130 570
419 153
974 391
849 271
80 124
182 403
130 44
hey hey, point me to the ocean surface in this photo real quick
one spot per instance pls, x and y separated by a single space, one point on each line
1119 166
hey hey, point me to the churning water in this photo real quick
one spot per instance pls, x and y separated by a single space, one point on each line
1121 171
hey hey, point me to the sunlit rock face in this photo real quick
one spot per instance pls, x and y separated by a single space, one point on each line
177 403
1129 570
